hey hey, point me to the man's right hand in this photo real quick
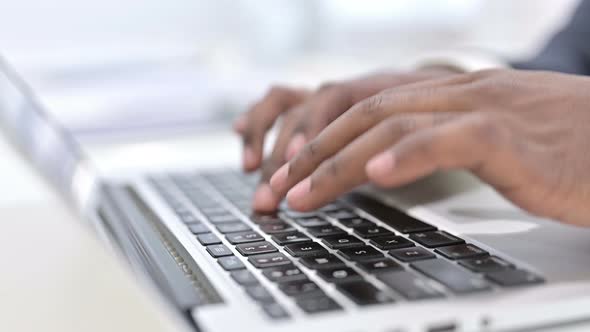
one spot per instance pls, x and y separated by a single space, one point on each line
304 114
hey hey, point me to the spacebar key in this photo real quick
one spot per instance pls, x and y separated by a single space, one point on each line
389 215
453 276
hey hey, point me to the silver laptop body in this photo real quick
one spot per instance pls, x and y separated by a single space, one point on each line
148 215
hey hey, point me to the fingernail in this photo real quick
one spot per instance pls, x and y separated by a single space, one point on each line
279 180
249 158
264 199
240 124
299 192
295 145
381 165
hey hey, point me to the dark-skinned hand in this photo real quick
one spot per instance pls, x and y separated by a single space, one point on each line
305 114
525 133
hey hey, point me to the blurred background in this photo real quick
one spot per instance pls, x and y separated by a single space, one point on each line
127 66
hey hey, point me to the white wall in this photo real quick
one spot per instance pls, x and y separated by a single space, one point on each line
271 30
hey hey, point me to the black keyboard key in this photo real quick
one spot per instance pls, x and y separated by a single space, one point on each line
371 231
453 276
461 251
315 305
264 218
223 218
208 238
331 207
322 262
230 263
275 311
299 288
188 218
356 222
389 215
255 248
411 254
380 266
269 260
284 273
214 211
279 227
198 228
509 278
342 214
364 293
391 242
244 237
306 249
409 285
311 222
296 214
341 274
244 277
435 239
323 231
359 254
342 241
290 238
234 227
486 264
260 294
219 250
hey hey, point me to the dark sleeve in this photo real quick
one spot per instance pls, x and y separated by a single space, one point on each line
569 50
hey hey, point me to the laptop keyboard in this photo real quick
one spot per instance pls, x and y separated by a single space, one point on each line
372 253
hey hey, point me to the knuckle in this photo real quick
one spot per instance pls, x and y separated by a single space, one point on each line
328 169
399 126
311 149
371 107
338 93
488 131
307 156
277 91
333 167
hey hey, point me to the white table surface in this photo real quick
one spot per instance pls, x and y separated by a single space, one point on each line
54 274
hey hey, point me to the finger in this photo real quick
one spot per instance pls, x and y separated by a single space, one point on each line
254 125
296 143
264 199
333 99
330 102
474 142
440 96
346 170
323 107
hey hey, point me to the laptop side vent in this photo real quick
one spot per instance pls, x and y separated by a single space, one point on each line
147 243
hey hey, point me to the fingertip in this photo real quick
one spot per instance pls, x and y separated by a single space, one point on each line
250 161
264 199
296 196
379 168
278 181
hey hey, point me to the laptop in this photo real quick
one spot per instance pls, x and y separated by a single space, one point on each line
444 254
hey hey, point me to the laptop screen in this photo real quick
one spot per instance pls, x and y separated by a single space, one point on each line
34 132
